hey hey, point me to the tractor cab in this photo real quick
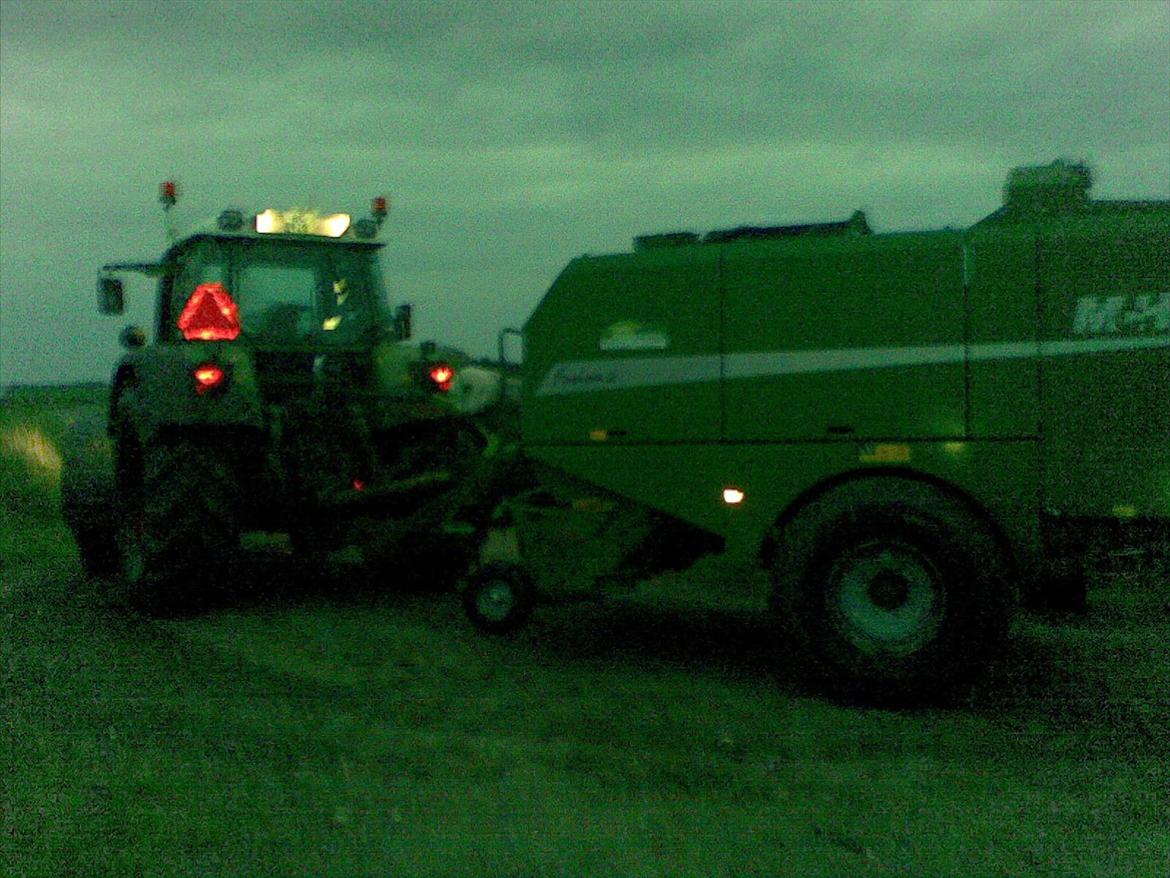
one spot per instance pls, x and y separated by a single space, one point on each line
276 278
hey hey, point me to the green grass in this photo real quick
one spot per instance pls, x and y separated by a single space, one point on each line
33 422
328 727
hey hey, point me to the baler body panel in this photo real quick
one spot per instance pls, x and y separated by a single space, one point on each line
1024 363
638 332
1003 331
1105 376
686 480
858 337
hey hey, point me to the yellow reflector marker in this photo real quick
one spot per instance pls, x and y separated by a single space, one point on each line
1124 511
884 454
331 322
598 435
732 496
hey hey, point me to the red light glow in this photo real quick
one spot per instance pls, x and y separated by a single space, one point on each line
208 377
442 375
210 315
359 485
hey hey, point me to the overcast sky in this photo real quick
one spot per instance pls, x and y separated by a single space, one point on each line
514 136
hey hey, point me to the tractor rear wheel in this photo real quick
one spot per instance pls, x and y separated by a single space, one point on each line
178 522
98 552
892 588
87 490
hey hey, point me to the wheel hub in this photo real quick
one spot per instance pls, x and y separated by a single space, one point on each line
886 596
495 601
889 590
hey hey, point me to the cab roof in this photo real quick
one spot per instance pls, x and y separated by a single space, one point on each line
237 225
296 223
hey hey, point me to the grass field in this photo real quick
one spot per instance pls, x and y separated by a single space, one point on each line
329 726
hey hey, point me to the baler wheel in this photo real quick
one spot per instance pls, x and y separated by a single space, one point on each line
498 597
892 588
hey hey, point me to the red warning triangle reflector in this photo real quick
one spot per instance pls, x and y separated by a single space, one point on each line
210 315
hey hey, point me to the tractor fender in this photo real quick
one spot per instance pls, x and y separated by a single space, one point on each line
155 390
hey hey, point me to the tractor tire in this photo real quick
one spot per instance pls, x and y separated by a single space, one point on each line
98 551
498 597
892 589
87 494
179 523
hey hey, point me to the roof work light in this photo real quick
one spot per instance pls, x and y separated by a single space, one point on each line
302 222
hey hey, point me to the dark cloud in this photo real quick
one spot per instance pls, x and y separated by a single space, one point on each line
513 136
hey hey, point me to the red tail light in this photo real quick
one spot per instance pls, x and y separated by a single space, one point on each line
208 377
442 375
210 315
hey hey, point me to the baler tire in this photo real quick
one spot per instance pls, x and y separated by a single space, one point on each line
892 589
180 524
498 597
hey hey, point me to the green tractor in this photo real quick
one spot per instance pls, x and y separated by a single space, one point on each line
279 394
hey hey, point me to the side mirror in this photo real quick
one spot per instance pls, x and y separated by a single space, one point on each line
402 322
109 293
132 337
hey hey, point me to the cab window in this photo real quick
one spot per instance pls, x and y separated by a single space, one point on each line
205 262
304 294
